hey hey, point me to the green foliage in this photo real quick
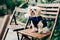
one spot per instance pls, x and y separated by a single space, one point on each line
3 11
25 5
21 17
2 2
56 34
11 4
46 1
23 20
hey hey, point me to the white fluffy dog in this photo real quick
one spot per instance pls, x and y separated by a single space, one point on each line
40 29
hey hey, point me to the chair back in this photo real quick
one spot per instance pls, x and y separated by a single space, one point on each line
16 11
50 12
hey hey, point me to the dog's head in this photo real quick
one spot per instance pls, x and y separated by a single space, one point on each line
34 11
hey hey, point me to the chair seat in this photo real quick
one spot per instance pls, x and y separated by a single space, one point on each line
29 32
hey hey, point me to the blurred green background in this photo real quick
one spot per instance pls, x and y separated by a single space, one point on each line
7 6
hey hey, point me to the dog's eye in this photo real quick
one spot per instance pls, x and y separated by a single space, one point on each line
30 9
35 9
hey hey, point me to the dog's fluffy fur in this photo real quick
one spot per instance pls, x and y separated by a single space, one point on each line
40 24
40 28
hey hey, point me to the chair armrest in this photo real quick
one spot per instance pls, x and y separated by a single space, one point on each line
18 29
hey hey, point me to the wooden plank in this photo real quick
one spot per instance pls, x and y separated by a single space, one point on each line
45 16
48 5
29 32
20 9
44 12
4 25
1 21
23 4
50 9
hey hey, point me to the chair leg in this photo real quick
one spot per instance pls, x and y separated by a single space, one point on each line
22 37
25 37
6 34
32 38
18 35
39 39
11 21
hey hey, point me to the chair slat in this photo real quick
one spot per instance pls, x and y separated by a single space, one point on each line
48 5
20 9
49 12
45 16
49 9
33 34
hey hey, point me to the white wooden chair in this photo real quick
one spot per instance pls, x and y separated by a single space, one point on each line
48 12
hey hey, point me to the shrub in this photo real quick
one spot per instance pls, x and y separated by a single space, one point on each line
3 11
